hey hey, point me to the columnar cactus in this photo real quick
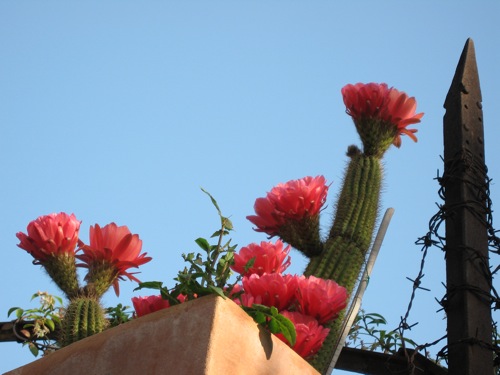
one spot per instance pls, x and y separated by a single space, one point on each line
84 317
381 115
354 222
350 237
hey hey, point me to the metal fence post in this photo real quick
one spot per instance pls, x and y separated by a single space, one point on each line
467 302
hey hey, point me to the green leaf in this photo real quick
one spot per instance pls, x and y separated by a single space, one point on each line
55 319
203 243
219 233
226 223
198 261
49 323
259 317
19 313
249 264
217 290
274 326
214 202
287 329
33 349
273 320
188 257
260 307
167 296
12 309
149 285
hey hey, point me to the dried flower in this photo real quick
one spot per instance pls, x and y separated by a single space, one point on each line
267 258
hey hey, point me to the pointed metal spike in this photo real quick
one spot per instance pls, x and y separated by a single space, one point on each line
466 75
463 121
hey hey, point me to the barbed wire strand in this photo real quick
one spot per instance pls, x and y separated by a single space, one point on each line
481 209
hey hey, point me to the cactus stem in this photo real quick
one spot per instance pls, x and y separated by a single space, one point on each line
350 236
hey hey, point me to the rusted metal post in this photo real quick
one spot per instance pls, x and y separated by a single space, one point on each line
464 180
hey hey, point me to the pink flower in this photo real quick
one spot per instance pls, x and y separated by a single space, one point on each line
310 334
294 200
113 248
235 292
320 298
270 289
379 102
149 304
49 235
268 258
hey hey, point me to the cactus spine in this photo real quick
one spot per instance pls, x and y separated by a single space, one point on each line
304 235
344 252
62 270
84 317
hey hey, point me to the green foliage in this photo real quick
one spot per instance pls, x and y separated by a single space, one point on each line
366 334
270 318
38 323
118 315
209 272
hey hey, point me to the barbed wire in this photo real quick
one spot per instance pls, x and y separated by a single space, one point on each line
480 207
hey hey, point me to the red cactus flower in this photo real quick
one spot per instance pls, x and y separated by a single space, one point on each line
291 201
53 234
270 289
310 334
235 293
320 298
267 258
112 250
149 304
379 102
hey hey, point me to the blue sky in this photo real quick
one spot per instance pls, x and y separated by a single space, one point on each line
120 111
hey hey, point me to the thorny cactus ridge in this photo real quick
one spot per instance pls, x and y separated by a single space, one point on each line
84 317
345 250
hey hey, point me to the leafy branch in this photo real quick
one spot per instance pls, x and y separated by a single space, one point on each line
118 315
270 318
365 334
209 272
39 323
